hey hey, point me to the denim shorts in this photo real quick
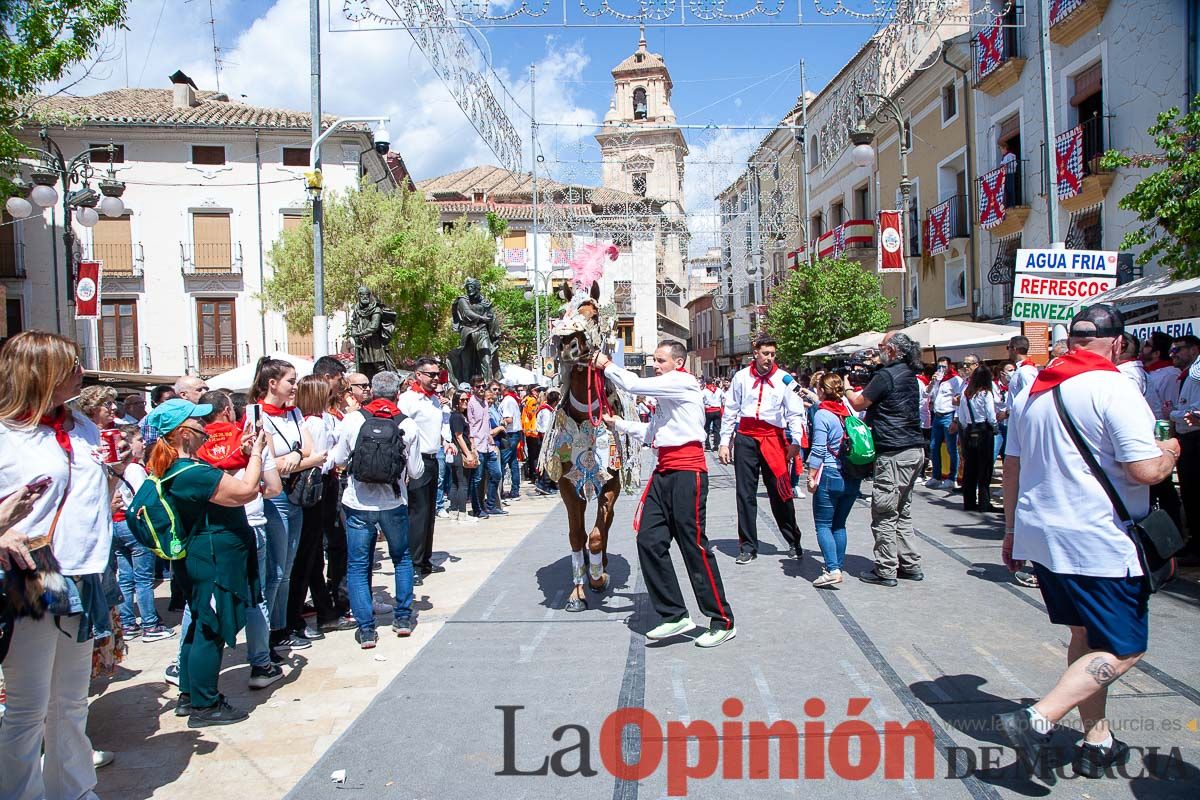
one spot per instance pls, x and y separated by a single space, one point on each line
1113 611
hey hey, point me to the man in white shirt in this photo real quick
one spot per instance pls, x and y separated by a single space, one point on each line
370 504
421 404
134 407
675 499
944 392
714 402
1059 516
759 409
1026 370
544 421
1129 362
1185 354
510 413
1162 376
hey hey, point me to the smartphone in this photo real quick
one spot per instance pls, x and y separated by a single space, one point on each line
254 416
39 484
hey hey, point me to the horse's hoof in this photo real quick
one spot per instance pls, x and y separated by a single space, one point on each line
603 584
576 604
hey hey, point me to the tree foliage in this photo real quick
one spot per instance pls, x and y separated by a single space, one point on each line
519 340
1167 201
393 243
40 40
821 303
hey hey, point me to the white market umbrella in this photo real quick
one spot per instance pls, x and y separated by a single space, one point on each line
940 334
845 346
239 379
514 375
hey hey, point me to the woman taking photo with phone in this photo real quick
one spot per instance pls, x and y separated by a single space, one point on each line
220 574
976 426
60 549
274 391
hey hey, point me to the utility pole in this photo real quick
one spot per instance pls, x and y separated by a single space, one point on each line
537 304
320 321
806 227
1049 162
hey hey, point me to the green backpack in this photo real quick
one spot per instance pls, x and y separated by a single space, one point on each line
154 522
860 444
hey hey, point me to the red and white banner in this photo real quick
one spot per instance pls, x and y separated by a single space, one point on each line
1038 287
989 49
991 198
891 242
87 290
1068 154
937 228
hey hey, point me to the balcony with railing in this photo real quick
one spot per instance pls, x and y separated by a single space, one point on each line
946 221
1071 19
211 258
998 53
118 260
854 238
1002 197
1082 183
12 260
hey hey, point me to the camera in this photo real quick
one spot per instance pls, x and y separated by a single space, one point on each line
861 365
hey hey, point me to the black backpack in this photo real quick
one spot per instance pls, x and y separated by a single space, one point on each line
379 454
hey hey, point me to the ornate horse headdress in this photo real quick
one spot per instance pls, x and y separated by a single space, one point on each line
581 309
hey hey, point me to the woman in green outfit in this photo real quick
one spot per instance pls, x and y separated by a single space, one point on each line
219 575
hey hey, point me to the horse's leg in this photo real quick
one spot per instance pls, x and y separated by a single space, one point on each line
576 506
598 539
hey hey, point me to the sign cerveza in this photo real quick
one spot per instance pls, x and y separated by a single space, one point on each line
1067 262
1059 311
1037 287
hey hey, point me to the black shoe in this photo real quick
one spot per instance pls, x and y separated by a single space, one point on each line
873 577
992 509
275 657
910 575
482 515
795 552
497 512
262 677
745 557
346 623
1094 760
970 508
293 642
183 706
310 633
367 638
435 568
1033 747
418 579
220 714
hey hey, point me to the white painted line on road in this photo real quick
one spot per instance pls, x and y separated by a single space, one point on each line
527 650
919 668
487 614
678 678
764 691
881 712
1006 673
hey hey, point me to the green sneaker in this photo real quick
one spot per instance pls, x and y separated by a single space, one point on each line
668 629
715 636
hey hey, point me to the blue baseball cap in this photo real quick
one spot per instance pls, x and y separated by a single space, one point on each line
168 416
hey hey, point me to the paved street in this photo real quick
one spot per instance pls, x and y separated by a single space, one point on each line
950 652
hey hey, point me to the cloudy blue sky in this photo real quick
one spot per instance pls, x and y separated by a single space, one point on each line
723 76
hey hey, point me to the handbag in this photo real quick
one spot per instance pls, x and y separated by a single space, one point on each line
975 430
305 488
1156 538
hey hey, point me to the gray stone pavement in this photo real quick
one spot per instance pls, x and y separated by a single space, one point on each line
948 652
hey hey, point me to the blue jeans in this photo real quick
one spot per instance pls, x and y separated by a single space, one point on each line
998 445
510 463
489 463
258 618
283 537
135 576
440 503
360 547
941 433
831 508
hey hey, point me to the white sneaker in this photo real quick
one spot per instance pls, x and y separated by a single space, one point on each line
443 514
668 629
505 502
715 636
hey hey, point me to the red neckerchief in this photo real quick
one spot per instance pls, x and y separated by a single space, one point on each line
545 407
223 449
1028 362
924 381
1162 363
712 387
336 413
419 389
513 395
57 422
382 408
950 373
276 411
835 407
759 380
1068 366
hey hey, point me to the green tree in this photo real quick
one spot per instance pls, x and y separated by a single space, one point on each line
391 242
518 340
1167 201
40 40
821 303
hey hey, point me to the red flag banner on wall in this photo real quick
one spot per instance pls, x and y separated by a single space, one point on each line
1068 154
937 228
87 290
891 242
991 198
989 49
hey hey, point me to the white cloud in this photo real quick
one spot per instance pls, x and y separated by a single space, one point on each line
715 159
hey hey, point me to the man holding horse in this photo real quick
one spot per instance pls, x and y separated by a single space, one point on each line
676 496
761 409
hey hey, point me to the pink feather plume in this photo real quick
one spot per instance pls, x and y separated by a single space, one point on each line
588 264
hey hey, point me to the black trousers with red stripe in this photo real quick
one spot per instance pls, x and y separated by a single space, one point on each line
748 466
675 510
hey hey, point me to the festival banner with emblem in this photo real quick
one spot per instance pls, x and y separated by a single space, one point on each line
1068 153
937 228
991 198
891 241
87 290
988 52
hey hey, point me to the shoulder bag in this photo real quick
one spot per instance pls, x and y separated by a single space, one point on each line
1156 538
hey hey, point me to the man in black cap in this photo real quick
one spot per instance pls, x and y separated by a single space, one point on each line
1059 516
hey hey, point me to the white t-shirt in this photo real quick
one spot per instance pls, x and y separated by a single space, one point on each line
1162 386
942 392
510 409
320 431
1135 372
83 537
134 476
285 432
256 515
1065 521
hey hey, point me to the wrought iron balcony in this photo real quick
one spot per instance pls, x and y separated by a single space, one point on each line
998 52
211 258
1003 200
947 220
12 260
1079 180
118 260
1071 19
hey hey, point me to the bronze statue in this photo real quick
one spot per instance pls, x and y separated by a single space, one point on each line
371 329
479 336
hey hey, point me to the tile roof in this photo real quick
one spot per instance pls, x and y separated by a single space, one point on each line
155 107
502 186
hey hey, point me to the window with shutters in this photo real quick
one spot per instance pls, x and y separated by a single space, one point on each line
11 265
949 103
295 157
216 335
1086 231
514 240
1088 102
295 219
13 316
298 344
112 245
118 336
212 245
208 154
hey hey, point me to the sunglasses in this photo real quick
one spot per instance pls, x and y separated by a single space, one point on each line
198 431
428 374
360 386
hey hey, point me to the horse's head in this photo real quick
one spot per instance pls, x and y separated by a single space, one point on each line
578 335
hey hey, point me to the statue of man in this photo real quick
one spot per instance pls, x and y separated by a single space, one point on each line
371 328
479 334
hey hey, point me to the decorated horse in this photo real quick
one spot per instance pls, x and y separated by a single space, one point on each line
587 459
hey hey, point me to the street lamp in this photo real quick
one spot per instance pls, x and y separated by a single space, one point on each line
863 155
315 183
541 282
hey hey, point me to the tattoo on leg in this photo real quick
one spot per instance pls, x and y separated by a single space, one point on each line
1101 671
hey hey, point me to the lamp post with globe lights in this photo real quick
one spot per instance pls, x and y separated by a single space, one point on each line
863 155
75 175
541 286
